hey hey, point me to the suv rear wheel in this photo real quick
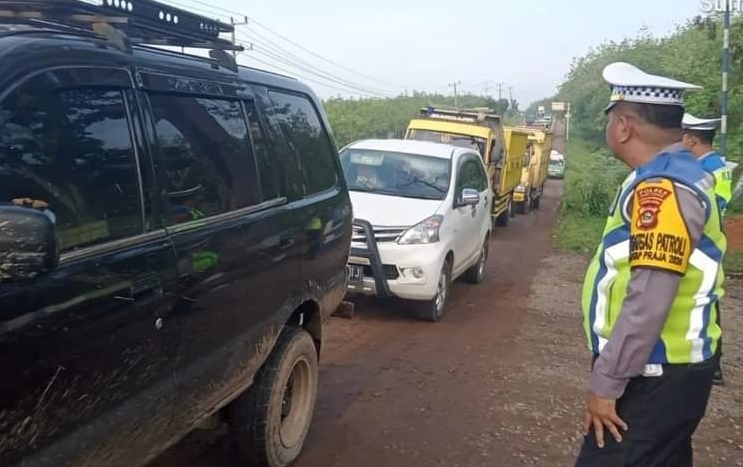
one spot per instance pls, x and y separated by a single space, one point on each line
270 421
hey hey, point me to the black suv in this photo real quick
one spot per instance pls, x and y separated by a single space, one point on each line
173 232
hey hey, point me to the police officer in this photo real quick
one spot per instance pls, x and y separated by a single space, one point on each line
650 291
698 136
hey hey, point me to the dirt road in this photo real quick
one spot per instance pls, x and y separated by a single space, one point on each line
498 382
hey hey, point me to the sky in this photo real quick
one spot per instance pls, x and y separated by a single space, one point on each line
383 48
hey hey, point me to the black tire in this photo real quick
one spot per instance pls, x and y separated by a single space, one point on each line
433 310
504 217
535 201
522 207
476 273
265 431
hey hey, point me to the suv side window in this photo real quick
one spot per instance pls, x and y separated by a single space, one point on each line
209 166
72 149
481 177
263 157
307 139
469 175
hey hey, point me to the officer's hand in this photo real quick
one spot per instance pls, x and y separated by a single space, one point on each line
31 203
602 412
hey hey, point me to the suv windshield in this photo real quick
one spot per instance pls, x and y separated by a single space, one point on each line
395 173
456 139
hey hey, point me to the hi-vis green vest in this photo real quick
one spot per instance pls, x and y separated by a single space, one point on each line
715 164
654 235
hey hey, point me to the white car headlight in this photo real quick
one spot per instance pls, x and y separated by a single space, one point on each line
426 231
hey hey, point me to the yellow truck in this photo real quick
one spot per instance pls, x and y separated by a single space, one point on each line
528 193
479 129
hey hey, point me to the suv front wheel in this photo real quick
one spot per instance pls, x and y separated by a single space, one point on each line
270 421
433 309
476 273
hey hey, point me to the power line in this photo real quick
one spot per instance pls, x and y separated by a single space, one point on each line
308 79
302 64
287 62
229 14
261 25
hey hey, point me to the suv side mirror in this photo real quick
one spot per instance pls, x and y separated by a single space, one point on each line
28 243
470 197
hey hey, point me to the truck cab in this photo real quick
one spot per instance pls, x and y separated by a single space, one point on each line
479 129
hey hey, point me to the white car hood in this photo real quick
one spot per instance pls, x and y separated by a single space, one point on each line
391 211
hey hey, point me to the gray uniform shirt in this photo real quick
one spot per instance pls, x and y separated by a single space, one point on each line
650 293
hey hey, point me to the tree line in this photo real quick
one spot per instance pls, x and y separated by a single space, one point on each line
693 53
353 119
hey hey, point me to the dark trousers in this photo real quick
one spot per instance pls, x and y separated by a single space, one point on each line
662 414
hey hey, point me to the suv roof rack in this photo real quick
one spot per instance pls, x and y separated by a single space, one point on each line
126 22
470 116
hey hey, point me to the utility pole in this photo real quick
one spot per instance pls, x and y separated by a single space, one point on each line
510 97
234 26
454 85
500 90
738 189
487 85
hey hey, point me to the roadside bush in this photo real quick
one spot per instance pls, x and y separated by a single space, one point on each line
591 183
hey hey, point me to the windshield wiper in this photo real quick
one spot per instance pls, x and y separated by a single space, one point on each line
428 184
409 195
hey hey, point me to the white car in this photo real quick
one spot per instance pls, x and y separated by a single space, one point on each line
421 219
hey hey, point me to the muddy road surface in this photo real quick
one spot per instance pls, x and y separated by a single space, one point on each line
498 382
396 391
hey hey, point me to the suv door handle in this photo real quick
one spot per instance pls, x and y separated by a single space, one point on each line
286 241
146 290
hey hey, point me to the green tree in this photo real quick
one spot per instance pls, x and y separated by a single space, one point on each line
693 53
353 119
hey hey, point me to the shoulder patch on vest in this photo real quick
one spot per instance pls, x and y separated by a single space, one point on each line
659 235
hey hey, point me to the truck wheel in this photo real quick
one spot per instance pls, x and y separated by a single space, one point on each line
522 207
504 217
535 202
269 422
433 310
476 273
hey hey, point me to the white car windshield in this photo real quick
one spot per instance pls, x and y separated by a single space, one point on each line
395 173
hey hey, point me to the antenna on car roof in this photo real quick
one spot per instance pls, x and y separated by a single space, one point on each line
126 22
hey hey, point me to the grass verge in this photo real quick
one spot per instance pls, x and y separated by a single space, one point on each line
592 177
734 263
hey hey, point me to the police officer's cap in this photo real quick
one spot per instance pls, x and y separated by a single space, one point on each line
691 122
631 84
